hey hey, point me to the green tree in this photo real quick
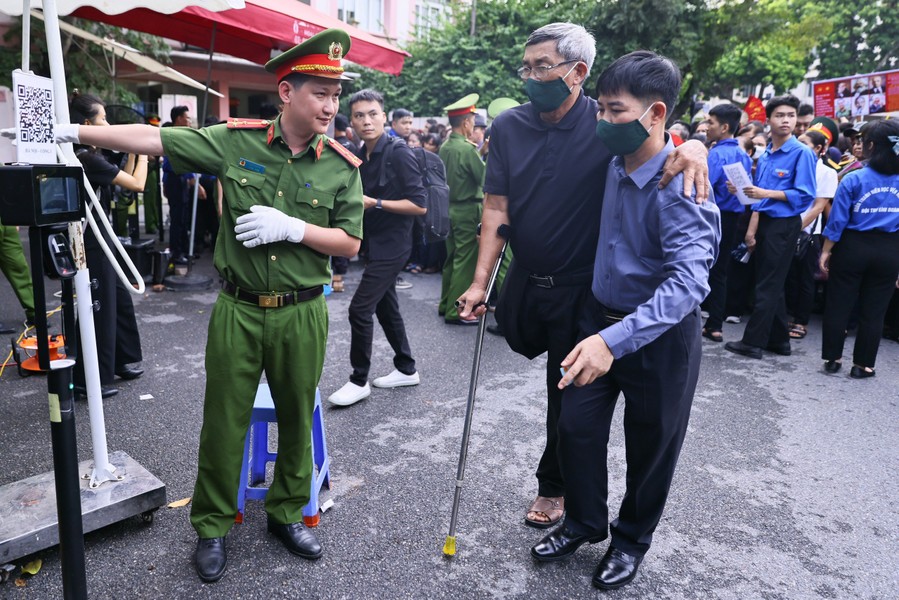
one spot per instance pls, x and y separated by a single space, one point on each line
865 38
88 67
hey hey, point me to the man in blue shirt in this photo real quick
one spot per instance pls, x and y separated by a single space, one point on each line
545 178
640 329
785 184
724 121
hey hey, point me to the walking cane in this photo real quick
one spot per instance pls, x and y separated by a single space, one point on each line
449 547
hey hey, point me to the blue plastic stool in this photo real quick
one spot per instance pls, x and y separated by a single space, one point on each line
256 456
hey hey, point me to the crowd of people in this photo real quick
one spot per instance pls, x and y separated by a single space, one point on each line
623 232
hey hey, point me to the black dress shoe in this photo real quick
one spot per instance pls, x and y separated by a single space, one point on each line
782 349
129 372
562 543
616 569
857 372
832 366
106 391
297 539
210 558
744 349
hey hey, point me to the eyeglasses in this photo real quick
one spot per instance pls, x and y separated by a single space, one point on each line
539 72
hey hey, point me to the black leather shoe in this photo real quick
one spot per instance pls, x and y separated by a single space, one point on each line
562 543
832 366
106 391
297 539
616 569
461 322
782 349
744 349
129 372
857 372
210 558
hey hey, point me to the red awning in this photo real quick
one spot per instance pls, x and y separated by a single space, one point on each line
253 32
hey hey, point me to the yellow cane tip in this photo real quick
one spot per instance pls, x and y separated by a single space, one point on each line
449 547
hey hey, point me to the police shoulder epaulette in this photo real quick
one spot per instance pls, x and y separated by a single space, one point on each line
346 154
248 123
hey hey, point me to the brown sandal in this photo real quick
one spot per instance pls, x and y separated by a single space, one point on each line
551 508
337 284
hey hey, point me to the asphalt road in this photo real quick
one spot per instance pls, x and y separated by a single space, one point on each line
786 486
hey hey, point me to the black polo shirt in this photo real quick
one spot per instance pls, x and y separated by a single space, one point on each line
389 235
554 177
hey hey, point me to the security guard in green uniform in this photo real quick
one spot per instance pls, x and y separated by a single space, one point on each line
292 198
13 265
465 176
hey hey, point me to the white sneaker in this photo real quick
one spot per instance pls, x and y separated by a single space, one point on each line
732 319
350 394
396 379
402 284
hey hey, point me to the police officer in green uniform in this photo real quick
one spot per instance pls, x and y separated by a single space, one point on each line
293 197
465 177
13 265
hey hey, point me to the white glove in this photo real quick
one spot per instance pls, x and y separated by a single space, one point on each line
65 133
264 225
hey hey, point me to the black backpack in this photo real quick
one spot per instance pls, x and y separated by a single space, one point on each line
436 222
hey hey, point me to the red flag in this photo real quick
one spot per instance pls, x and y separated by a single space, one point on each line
755 109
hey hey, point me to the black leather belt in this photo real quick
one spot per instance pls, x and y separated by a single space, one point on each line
551 281
273 300
612 316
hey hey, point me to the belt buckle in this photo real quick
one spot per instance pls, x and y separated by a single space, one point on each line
545 281
270 301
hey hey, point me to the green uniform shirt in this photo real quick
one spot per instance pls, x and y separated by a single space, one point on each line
256 167
464 169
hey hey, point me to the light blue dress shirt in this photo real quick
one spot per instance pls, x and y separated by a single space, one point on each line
655 250
789 169
866 200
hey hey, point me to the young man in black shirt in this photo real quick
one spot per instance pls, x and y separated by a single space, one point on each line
393 196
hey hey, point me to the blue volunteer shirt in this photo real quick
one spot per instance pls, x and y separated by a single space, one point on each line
790 169
726 152
865 201
654 253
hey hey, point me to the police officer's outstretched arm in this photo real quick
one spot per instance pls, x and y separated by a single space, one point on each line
136 139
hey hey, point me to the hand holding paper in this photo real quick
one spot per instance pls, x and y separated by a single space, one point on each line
738 176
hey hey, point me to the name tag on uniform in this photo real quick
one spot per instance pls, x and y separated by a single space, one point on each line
251 166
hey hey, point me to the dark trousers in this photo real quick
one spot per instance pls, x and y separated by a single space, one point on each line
658 382
740 276
376 295
775 245
800 287
715 302
115 325
179 216
552 316
863 267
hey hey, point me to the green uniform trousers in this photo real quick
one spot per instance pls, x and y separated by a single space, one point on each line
13 265
151 202
288 345
461 255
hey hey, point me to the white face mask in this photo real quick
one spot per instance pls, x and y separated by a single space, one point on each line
759 150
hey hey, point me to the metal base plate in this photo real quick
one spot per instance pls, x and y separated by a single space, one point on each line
28 519
188 282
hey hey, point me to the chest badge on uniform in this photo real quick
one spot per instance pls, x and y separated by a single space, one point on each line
250 166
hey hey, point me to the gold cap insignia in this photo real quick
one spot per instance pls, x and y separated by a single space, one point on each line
335 51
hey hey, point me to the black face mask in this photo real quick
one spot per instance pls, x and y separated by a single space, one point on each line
623 138
547 96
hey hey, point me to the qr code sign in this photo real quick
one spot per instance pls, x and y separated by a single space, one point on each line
35 114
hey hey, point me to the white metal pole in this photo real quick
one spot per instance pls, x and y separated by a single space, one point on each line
103 471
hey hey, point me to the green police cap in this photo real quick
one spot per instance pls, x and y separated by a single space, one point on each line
319 56
499 105
827 127
463 106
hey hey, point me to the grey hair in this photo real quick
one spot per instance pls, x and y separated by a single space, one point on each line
573 42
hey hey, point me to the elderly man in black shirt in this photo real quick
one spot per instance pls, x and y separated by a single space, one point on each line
545 177
394 194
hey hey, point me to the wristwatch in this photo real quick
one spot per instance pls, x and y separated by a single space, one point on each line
378 204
